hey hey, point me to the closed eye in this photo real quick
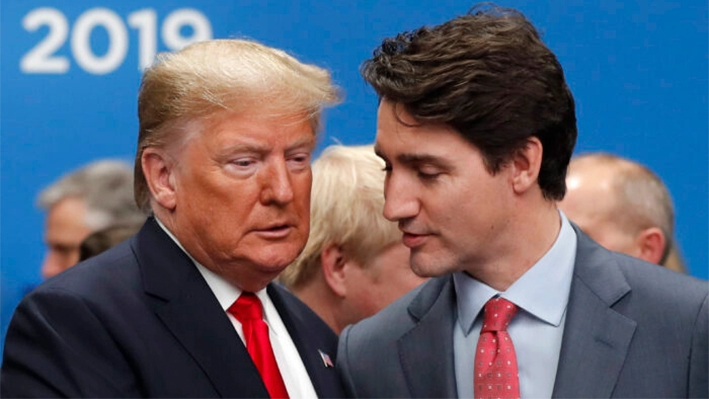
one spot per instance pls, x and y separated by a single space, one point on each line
243 163
428 176
428 172
299 161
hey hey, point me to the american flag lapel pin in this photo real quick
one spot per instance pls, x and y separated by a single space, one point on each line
325 359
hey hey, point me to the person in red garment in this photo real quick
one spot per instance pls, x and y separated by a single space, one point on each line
186 308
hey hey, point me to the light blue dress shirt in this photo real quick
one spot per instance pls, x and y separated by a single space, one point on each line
541 294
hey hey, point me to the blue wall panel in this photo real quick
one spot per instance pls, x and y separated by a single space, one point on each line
638 71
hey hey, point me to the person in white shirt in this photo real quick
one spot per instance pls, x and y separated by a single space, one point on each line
186 308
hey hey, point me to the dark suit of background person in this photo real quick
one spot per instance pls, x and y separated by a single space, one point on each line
225 166
476 151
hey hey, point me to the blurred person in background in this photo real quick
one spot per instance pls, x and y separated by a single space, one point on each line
354 263
623 206
91 198
101 240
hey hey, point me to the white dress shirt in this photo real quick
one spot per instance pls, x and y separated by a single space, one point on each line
541 294
295 375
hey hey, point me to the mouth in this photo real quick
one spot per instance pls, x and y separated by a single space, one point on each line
414 240
275 231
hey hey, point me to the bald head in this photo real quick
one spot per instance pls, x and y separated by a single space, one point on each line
621 204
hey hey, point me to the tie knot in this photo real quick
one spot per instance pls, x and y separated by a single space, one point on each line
498 314
247 307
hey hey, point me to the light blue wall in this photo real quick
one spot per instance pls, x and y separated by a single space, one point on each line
638 71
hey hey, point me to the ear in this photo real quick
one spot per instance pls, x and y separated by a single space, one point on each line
651 244
158 171
333 261
526 163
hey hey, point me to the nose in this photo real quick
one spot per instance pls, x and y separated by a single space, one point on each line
277 184
400 199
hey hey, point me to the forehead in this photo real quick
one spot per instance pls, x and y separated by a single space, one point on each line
67 211
256 128
65 220
400 136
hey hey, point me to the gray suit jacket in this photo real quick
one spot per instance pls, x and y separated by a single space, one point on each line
632 330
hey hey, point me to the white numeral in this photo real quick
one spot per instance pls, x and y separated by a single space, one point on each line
40 59
146 22
201 28
117 41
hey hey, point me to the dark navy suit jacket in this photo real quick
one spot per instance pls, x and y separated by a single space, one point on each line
140 321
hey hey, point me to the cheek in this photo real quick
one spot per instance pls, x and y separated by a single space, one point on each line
301 194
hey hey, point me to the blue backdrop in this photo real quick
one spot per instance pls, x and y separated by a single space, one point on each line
70 72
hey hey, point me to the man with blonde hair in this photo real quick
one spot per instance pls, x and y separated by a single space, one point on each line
94 197
622 205
185 307
354 263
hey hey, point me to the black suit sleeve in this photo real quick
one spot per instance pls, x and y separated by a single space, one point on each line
698 366
57 346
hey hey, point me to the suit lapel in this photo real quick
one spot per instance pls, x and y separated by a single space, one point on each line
426 351
304 340
191 312
596 337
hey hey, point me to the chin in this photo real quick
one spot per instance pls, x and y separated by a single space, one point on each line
426 268
276 262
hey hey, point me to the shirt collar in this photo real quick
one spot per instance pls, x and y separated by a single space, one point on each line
542 291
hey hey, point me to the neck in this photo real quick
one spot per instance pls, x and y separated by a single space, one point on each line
527 238
321 300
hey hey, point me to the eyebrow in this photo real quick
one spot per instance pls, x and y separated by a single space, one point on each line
245 147
416 159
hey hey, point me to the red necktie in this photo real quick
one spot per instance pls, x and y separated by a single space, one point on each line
247 309
495 360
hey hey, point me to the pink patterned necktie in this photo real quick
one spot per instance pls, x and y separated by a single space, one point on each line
247 309
495 359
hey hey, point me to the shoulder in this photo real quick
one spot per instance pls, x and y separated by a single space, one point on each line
638 286
397 319
661 289
106 287
113 270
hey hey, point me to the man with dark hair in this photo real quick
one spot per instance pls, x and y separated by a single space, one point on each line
476 126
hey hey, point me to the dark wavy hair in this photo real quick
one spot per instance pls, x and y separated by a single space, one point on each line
488 75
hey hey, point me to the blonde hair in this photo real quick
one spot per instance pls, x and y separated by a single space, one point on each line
345 209
231 75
